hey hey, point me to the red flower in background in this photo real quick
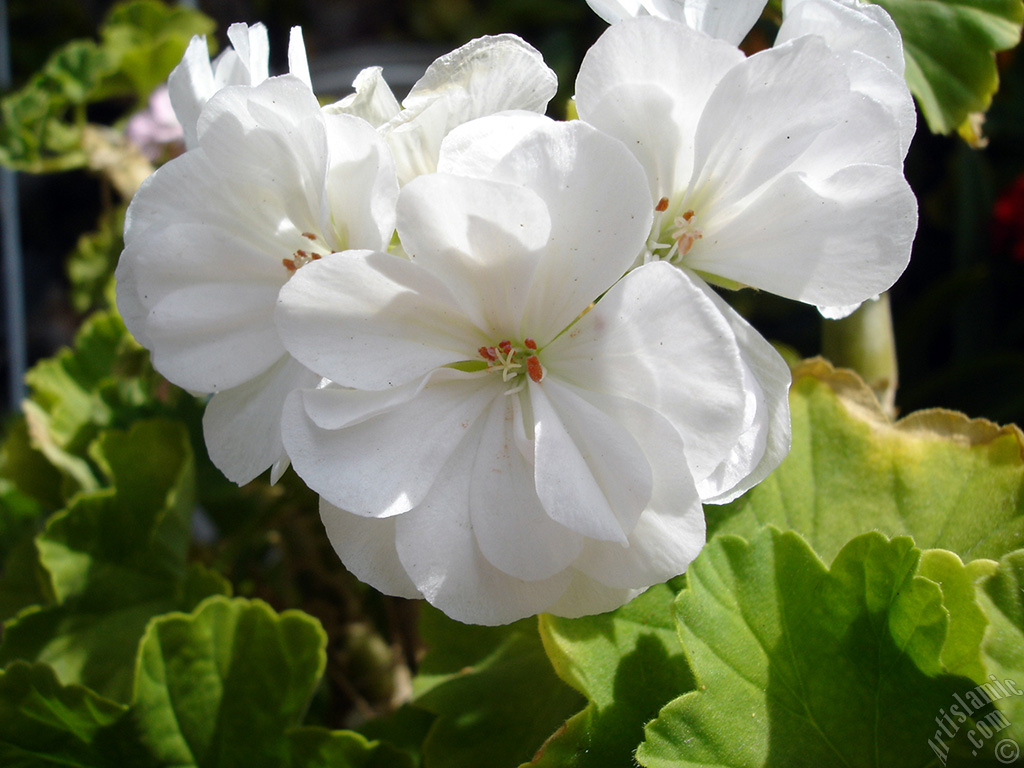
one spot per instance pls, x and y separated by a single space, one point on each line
1008 220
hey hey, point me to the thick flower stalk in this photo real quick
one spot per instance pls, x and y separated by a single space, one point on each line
778 171
513 426
272 185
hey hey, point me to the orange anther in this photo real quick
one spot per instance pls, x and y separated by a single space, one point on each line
662 205
534 368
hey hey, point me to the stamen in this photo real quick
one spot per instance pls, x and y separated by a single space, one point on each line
534 368
685 233
511 360
301 259
662 205
309 235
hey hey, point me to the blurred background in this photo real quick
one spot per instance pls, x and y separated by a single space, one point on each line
958 310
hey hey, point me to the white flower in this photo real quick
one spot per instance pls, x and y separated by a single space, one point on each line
496 441
769 171
246 62
729 20
211 237
483 77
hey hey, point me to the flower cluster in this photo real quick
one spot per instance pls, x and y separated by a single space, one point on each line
487 338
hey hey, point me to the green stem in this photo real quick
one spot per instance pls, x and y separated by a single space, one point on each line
865 342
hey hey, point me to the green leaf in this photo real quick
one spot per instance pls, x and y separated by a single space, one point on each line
23 582
41 129
146 40
947 481
128 540
628 663
1002 597
221 686
493 690
91 265
801 665
66 409
320 748
950 87
27 469
967 619
41 126
115 558
43 723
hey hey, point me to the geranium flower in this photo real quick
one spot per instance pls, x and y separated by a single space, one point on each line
495 440
770 171
194 81
483 77
272 185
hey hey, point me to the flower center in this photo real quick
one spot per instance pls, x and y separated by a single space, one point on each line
680 235
685 233
302 257
513 361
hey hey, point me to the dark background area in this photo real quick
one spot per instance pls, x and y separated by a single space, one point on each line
958 310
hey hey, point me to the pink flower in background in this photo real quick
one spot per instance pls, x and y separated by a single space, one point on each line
156 131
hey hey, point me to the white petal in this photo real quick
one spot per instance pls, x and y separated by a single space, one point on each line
297 62
214 336
243 425
512 529
269 141
670 532
840 241
129 304
585 597
657 339
253 49
591 475
487 75
483 239
438 549
763 446
373 100
646 83
367 548
763 116
616 10
596 194
483 77
838 313
386 457
865 33
361 186
728 20
190 85
373 321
